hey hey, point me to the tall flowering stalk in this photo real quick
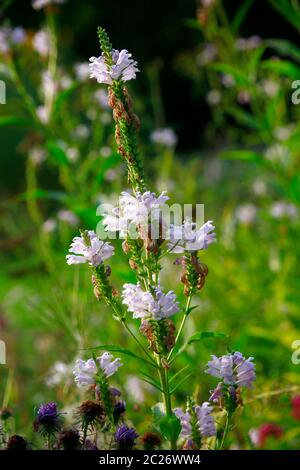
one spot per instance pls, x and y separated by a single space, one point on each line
148 237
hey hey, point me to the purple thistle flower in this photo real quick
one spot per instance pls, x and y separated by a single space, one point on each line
125 437
47 413
48 420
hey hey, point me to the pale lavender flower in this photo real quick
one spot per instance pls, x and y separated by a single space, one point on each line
134 211
282 209
101 97
68 216
81 131
185 421
49 225
213 97
49 86
187 237
18 35
243 97
246 44
4 39
145 304
39 4
205 424
43 114
85 371
233 369
166 137
227 80
270 88
59 373
124 67
246 213
37 155
72 154
207 55
95 253
82 71
41 42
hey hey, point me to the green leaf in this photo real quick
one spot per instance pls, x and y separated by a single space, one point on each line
14 121
244 118
180 383
241 14
150 380
240 78
189 310
204 335
288 10
42 194
245 155
121 350
169 426
175 376
57 153
282 68
285 48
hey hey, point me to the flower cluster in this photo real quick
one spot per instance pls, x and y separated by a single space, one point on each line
11 36
187 237
134 213
233 369
146 304
89 249
166 137
85 372
39 4
122 67
198 421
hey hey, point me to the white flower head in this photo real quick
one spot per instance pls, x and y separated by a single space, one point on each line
85 371
64 215
134 213
82 71
39 4
246 213
41 42
283 209
146 304
187 237
123 67
92 250
166 137
204 424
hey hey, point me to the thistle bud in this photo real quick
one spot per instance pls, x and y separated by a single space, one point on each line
16 442
150 440
68 439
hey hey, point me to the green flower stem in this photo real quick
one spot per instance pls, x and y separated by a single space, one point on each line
138 342
225 431
164 382
185 315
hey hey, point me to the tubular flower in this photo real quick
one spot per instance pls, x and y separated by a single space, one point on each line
89 249
197 421
186 237
233 369
134 212
122 67
151 305
85 371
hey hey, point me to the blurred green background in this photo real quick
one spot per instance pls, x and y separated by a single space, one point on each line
218 76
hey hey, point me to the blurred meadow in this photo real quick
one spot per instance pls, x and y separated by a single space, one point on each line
218 127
